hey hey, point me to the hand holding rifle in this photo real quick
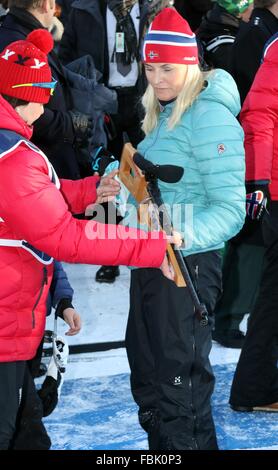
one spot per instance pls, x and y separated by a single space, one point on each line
143 185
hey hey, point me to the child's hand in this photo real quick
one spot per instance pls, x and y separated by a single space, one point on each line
73 319
108 188
167 269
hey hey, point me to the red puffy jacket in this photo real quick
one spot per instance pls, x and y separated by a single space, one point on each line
34 210
259 118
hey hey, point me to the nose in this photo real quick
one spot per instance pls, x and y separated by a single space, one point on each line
157 77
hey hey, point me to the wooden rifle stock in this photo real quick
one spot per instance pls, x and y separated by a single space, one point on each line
132 177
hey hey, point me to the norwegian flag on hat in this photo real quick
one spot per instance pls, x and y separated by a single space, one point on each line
170 40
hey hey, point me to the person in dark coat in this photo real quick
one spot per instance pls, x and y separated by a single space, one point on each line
193 10
58 132
93 28
249 44
219 28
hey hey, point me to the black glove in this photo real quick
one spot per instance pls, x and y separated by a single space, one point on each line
83 127
49 394
51 387
257 201
257 197
101 160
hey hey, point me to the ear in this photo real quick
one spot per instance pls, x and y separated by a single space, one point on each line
44 6
48 5
52 4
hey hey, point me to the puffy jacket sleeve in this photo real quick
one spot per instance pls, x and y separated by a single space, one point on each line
259 117
79 194
60 287
217 144
35 210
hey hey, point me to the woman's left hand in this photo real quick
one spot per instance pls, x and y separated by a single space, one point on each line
108 188
73 319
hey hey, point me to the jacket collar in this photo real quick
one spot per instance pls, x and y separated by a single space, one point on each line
270 21
25 18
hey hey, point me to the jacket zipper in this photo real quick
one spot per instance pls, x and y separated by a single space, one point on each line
193 409
155 138
44 282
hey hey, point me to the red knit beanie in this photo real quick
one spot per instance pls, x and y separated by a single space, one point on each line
170 40
23 64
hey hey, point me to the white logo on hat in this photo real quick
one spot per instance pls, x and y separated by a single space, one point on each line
7 54
190 58
152 54
38 64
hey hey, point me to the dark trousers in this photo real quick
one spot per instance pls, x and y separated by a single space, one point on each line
127 120
168 353
256 378
21 426
241 276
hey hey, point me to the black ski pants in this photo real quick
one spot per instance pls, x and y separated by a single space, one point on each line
241 276
21 426
255 381
168 352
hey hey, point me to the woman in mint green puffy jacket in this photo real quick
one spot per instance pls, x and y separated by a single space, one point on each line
191 122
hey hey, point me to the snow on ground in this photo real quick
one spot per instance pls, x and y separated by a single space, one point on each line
96 401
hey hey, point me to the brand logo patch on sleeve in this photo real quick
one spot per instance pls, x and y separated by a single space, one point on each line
221 148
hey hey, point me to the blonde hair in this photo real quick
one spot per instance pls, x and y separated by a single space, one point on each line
193 84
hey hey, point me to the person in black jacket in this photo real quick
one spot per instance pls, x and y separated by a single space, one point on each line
218 31
248 47
59 131
193 10
94 27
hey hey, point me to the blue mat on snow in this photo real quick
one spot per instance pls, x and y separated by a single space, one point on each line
99 414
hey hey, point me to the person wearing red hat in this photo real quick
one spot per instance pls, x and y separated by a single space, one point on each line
37 225
190 122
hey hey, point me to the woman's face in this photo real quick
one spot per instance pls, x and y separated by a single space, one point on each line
167 80
30 112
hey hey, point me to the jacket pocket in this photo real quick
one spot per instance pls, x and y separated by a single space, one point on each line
44 282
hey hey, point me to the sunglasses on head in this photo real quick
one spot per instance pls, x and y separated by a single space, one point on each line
50 85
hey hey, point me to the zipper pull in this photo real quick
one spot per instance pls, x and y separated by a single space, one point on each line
197 271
